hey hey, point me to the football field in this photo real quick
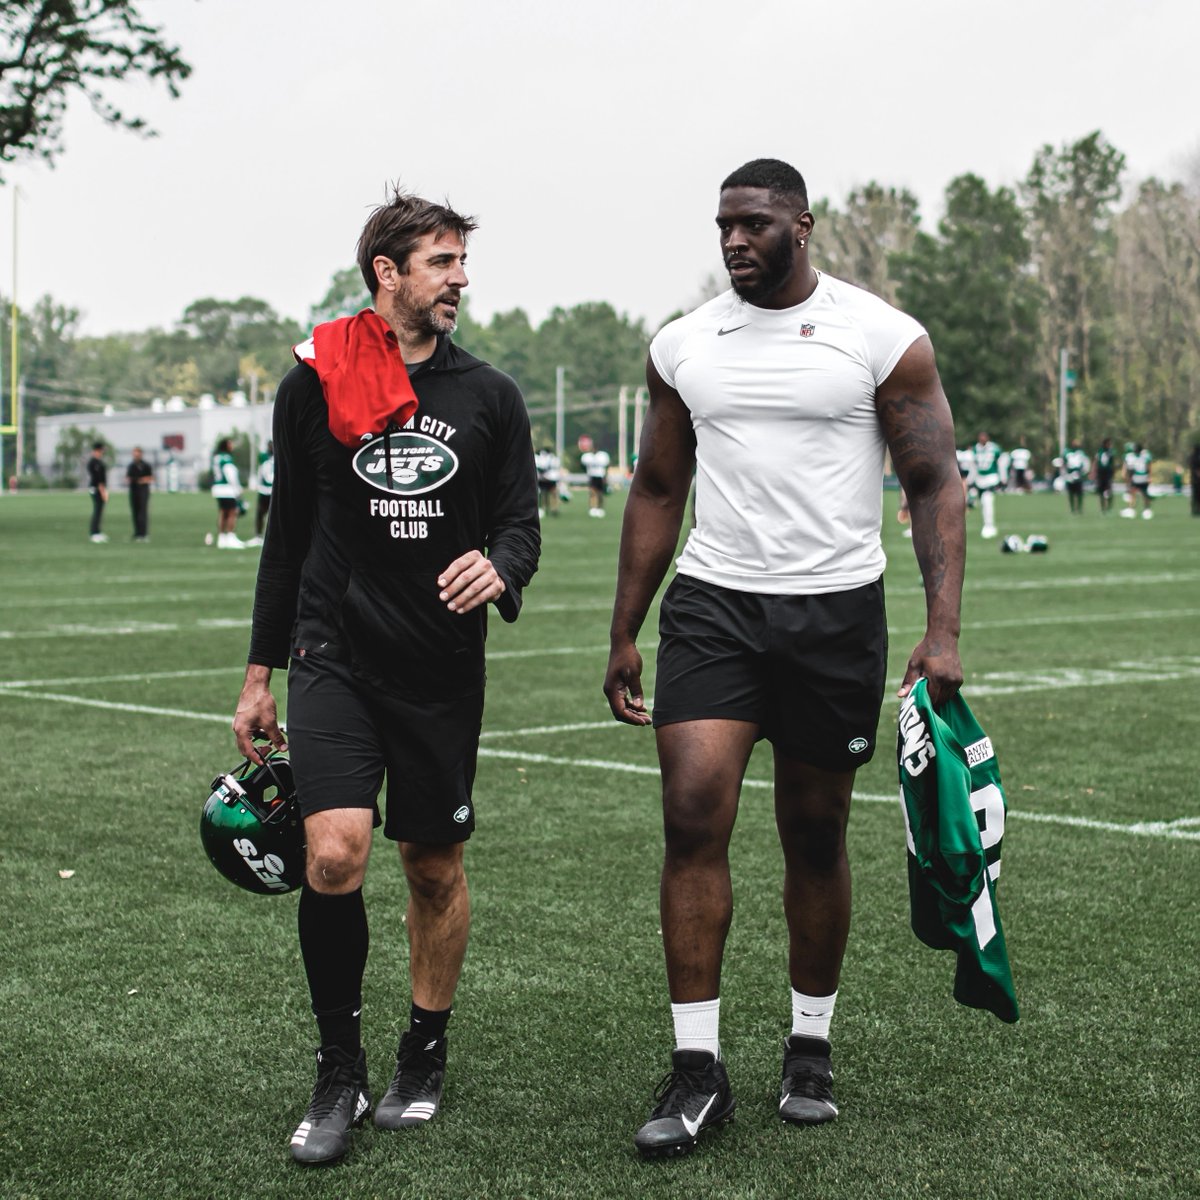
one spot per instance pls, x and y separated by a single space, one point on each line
155 1036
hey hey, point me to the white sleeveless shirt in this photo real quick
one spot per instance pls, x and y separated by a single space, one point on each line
789 450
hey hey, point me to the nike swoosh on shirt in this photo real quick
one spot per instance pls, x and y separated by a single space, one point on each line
723 332
693 1126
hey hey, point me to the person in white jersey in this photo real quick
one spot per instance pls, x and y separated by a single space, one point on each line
988 478
1076 465
549 473
1137 480
1019 459
782 395
595 464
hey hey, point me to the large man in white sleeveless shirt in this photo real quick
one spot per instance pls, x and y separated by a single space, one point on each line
782 394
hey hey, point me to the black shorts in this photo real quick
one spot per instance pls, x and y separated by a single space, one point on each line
1104 482
598 483
809 671
343 735
227 503
1143 487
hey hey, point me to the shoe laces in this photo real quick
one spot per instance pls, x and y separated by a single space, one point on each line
329 1089
809 1077
415 1063
675 1088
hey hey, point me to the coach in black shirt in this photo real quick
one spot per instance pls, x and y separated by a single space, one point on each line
139 475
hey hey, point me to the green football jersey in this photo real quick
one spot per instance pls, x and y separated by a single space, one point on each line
987 458
954 807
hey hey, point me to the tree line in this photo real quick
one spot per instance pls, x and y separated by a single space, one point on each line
1068 259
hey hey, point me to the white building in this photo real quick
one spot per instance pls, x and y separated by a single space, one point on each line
177 440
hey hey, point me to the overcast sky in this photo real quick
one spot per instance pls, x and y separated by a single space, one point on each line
589 139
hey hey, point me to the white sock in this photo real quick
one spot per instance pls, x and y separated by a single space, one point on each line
988 503
811 1015
697 1025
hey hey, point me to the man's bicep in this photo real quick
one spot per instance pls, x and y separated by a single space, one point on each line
667 449
915 416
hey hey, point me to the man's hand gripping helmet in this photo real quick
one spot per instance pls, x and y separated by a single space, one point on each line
252 829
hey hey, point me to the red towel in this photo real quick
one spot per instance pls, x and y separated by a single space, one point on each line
363 375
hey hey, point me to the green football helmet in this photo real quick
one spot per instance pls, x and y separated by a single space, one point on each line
252 828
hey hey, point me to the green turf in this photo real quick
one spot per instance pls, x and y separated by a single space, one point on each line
154 1030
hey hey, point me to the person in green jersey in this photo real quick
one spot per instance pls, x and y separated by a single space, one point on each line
988 476
227 492
1104 468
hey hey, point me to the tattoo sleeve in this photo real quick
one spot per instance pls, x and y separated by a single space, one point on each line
919 429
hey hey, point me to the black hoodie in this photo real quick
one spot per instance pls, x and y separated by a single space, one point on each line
356 537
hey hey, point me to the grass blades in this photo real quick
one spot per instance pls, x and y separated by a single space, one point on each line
154 1020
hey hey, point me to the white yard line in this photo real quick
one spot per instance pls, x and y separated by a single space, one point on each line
131 677
1183 829
116 706
1179 830
125 628
94 599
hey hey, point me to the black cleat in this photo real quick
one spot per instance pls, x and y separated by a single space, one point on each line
415 1092
806 1095
340 1101
693 1096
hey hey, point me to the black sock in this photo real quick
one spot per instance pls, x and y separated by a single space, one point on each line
333 943
431 1025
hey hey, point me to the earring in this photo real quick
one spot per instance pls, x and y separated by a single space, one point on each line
801 243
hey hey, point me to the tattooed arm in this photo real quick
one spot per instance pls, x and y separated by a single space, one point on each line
919 429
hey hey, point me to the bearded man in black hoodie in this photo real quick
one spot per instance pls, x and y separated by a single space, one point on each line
405 503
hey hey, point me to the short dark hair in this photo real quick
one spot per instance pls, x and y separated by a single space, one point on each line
395 228
784 182
97 445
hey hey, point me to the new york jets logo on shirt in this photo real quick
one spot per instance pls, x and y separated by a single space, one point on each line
408 463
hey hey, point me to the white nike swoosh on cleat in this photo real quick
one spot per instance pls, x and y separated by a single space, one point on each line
693 1126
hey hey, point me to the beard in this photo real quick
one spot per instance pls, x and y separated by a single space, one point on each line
427 320
776 270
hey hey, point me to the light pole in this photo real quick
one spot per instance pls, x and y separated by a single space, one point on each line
1066 381
560 404
14 426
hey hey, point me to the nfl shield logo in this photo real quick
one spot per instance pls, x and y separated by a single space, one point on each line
807 330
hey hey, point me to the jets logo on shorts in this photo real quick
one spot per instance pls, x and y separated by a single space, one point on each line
461 814
858 745
406 463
